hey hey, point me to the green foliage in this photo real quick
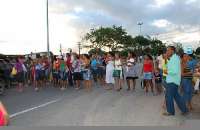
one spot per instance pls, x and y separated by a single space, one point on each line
110 37
157 46
96 51
116 38
179 48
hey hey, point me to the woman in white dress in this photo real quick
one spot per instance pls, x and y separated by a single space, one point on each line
109 71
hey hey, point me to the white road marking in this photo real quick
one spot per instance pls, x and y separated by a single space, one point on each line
34 108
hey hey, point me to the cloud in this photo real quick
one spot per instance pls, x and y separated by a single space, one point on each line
132 11
25 21
161 3
23 26
162 23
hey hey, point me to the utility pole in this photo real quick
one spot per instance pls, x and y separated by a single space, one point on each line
140 26
61 49
47 7
79 48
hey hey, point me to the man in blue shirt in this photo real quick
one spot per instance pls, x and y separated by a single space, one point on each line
192 63
173 80
94 63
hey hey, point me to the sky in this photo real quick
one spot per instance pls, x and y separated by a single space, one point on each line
23 22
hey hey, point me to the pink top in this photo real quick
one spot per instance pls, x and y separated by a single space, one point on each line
2 119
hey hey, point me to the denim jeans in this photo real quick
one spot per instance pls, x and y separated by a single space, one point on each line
171 95
94 74
187 89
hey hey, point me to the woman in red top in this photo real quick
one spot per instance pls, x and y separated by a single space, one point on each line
148 69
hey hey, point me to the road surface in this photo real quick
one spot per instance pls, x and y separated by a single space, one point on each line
53 107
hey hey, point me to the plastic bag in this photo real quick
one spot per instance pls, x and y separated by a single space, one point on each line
14 71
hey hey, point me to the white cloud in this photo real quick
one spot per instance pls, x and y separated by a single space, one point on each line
62 32
187 37
161 23
78 9
22 26
190 1
161 3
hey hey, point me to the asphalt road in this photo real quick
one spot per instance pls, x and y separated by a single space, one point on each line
53 107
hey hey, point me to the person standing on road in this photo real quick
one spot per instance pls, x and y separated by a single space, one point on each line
77 75
47 69
158 81
38 75
101 70
187 75
173 81
69 66
196 79
109 71
130 71
164 76
94 68
25 72
160 62
20 74
62 73
87 75
148 70
118 73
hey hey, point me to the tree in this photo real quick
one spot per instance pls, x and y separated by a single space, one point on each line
157 46
141 41
179 48
129 43
109 37
116 38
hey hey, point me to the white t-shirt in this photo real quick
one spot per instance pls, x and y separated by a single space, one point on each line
24 68
160 61
118 64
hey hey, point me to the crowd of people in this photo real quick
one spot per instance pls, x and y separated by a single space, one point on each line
163 74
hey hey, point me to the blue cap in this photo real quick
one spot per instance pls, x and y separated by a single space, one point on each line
188 50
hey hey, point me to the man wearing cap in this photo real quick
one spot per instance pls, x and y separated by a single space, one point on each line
173 81
187 70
